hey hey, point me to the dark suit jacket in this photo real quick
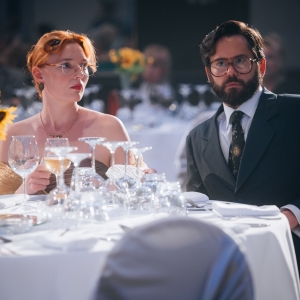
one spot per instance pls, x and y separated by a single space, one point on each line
270 167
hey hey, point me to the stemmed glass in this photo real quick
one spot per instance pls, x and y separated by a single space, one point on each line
76 159
185 91
51 160
201 89
112 146
141 195
93 142
131 99
23 158
125 178
61 192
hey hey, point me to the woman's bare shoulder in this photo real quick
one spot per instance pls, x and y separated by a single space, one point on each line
108 125
24 127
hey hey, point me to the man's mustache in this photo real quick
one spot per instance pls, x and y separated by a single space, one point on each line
234 79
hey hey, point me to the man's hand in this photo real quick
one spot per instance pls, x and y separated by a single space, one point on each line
291 218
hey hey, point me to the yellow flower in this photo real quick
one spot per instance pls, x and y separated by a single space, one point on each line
6 118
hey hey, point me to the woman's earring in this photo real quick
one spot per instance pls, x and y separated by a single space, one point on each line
41 86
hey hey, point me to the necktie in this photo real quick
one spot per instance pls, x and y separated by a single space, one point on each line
237 142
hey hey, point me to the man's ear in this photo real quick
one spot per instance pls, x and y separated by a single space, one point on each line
37 74
262 66
207 71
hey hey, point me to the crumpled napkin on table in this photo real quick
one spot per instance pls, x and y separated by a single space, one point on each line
195 196
11 200
66 243
239 209
118 171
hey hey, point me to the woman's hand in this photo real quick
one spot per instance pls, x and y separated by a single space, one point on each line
36 181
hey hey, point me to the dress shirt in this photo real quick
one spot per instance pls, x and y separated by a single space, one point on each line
225 136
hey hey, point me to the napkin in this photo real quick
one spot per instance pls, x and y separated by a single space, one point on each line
196 197
238 209
65 243
10 200
118 171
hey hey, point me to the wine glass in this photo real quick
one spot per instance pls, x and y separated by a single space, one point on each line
51 160
23 158
93 142
61 192
131 99
129 181
141 196
201 89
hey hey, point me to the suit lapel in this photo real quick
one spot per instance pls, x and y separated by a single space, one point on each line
212 152
259 136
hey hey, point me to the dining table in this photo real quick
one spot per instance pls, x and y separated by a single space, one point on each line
61 269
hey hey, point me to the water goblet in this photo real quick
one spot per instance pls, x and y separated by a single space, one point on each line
125 178
169 200
93 142
141 196
23 158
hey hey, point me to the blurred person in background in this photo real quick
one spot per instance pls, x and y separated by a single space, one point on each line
104 38
155 81
275 79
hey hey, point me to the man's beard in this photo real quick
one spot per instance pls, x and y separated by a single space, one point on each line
235 97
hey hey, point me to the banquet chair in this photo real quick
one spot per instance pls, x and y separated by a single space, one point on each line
175 258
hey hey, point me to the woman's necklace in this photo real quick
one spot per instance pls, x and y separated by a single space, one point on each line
59 135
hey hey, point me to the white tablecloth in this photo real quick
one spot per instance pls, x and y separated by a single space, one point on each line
30 271
164 140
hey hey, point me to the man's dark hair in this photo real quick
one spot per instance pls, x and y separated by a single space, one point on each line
230 28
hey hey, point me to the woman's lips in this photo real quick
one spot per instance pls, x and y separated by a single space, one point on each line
77 87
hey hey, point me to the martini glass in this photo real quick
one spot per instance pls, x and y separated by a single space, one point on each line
111 184
93 142
127 179
116 194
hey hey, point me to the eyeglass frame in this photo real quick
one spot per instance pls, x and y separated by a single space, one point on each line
252 60
61 65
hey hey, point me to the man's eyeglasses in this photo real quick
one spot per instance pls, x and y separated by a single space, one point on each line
242 65
70 67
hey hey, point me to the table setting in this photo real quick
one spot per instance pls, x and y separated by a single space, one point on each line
54 246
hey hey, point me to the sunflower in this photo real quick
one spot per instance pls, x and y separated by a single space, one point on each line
6 118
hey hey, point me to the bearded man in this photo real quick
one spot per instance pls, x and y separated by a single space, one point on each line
249 151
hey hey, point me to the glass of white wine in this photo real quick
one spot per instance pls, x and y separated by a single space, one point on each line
23 158
51 161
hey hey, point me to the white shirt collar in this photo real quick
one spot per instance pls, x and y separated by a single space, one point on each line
248 107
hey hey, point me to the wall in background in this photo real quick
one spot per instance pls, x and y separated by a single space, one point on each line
283 18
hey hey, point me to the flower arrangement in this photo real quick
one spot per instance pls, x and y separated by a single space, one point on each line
6 118
128 62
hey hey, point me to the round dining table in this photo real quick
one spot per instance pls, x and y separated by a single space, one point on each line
31 269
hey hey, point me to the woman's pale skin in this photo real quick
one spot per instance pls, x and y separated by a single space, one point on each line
60 110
